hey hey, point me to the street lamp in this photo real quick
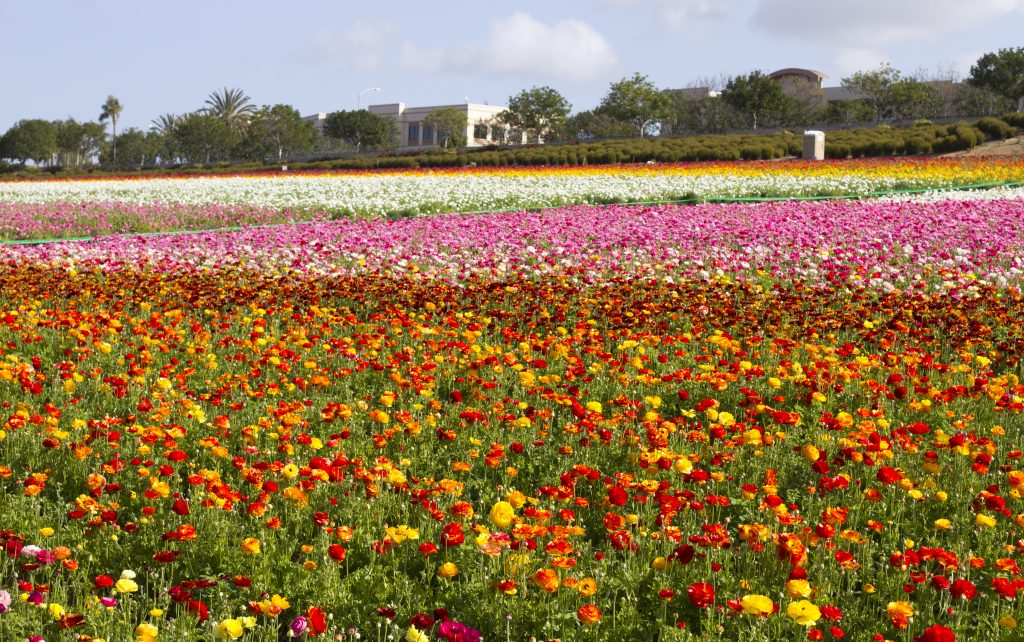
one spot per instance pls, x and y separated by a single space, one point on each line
359 99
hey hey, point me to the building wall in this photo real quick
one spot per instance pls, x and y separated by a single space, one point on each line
414 135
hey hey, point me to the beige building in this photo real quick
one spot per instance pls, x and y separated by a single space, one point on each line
482 127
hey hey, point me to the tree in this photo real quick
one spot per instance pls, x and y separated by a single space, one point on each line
233 106
450 124
30 140
913 100
363 130
201 138
848 112
638 102
163 124
1001 73
278 132
875 88
69 142
112 110
137 148
974 101
591 125
754 95
539 110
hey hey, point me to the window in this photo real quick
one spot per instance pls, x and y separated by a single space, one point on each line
414 134
428 135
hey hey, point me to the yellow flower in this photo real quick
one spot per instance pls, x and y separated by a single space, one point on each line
502 514
587 586
125 585
415 635
46 531
156 612
803 613
399 534
899 609
810 452
798 588
146 632
594 406
1008 622
985 520
229 630
659 564
683 465
943 524
56 610
250 546
448 570
757 604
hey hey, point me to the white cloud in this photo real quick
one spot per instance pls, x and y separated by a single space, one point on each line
520 45
673 15
870 24
364 45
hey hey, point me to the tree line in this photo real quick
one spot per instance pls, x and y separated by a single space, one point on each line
229 126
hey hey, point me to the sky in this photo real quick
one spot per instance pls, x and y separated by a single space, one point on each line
66 56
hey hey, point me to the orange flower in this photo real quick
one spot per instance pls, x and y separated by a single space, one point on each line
546 579
588 615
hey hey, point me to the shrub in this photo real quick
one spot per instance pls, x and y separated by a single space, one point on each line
995 128
1014 119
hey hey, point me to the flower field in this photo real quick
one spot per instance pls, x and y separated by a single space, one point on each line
75 208
725 421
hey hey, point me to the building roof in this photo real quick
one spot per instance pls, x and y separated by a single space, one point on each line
797 71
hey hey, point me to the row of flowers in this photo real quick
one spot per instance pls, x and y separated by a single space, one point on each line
417 192
884 245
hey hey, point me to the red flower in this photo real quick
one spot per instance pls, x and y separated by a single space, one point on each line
962 588
199 609
936 633
317 621
452 535
336 553
617 496
701 594
103 582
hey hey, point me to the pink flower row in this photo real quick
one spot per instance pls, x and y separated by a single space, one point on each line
883 245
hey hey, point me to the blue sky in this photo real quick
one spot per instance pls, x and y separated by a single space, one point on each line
66 56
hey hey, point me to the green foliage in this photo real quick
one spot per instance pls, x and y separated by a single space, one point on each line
33 139
539 110
233 106
450 124
910 99
976 101
636 101
111 109
754 95
276 132
1015 119
363 130
1002 73
201 138
875 87
996 128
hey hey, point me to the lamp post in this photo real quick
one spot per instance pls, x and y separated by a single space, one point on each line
359 98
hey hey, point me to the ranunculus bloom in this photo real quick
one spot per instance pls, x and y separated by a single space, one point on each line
588 614
803 613
230 629
701 594
125 585
757 604
502 514
936 633
250 546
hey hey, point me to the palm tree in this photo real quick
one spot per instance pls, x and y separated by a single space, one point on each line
112 110
163 124
232 106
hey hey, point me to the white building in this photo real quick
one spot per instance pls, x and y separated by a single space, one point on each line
482 127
